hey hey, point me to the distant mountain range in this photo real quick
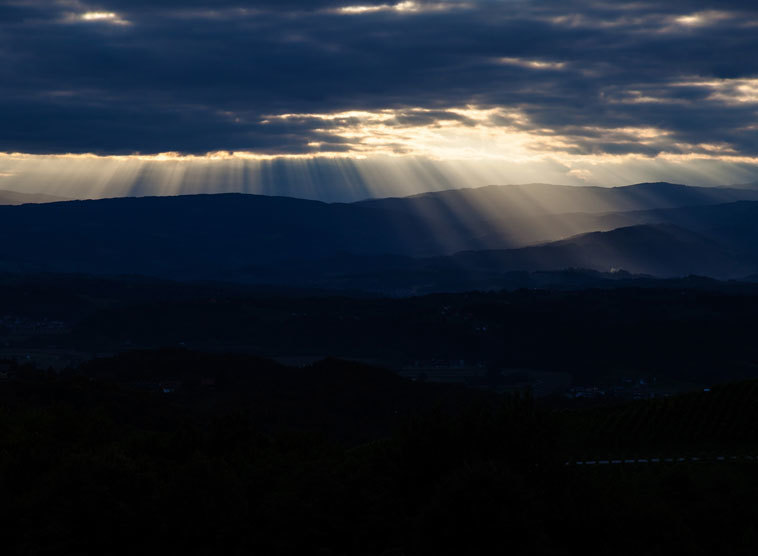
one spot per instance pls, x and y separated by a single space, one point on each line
501 217
449 240
18 198
542 198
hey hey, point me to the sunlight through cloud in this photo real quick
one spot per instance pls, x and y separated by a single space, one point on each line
534 64
730 91
400 7
344 178
110 18
700 19
458 133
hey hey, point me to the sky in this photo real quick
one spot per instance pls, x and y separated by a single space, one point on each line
340 100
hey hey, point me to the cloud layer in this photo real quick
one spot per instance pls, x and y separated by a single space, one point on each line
447 80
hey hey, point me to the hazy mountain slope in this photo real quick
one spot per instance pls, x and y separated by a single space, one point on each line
657 249
734 224
18 198
257 238
749 185
502 217
539 198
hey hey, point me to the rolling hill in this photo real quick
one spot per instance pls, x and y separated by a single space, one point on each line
661 250
441 240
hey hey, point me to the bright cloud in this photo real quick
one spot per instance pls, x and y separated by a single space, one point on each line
400 7
516 84
111 18
743 90
534 64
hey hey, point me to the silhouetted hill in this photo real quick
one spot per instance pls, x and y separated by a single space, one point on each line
734 224
657 249
195 236
661 250
748 185
340 458
541 198
277 240
510 216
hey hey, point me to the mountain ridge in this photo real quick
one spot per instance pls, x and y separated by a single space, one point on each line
8 197
235 236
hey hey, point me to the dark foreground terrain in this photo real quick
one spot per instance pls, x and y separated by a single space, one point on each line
179 452
608 415
658 336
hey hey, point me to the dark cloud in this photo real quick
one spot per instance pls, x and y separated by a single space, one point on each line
196 76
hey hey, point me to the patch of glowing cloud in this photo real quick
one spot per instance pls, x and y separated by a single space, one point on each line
95 16
700 19
582 173
632 96
645 23
385 133
577 20
356 10
400 7
730 91
718 148
469 133
641 134
533 64
689 20
111 18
